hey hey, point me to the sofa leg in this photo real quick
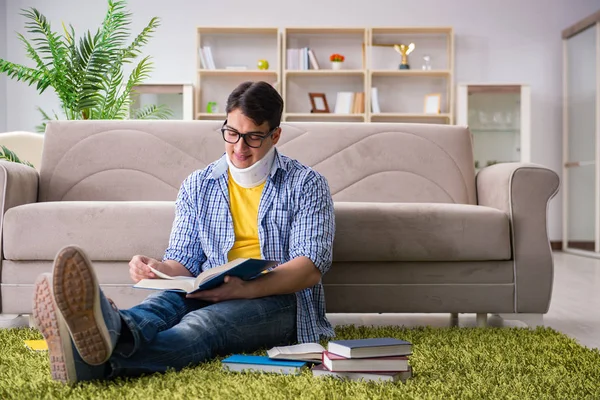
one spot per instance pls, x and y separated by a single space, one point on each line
454 319
482 320
531 320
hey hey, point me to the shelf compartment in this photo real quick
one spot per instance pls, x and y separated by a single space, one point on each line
324 72
411 72
237 72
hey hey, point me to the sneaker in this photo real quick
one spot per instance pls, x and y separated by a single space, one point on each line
65 363
94 323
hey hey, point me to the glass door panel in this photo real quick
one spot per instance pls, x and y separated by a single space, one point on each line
581 155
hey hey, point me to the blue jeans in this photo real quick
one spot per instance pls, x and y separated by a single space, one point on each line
168 331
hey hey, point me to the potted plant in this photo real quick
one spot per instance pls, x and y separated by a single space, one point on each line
336 61
87 72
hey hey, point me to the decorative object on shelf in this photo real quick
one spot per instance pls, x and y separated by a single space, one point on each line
433 103
212 107
404 50
318 102
426 62
336 61
263 64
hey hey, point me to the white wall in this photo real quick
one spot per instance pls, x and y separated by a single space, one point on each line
3 56
499 41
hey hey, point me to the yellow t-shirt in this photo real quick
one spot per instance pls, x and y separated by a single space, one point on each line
244 211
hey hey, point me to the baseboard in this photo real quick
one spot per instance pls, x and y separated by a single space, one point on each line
581 244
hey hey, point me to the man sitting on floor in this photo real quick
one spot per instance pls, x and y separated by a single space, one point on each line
253 203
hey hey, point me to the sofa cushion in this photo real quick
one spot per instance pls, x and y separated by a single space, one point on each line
420 232
108 231
113 231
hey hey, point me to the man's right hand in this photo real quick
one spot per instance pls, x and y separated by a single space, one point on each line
139 268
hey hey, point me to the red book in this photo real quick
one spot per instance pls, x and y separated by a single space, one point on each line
336 363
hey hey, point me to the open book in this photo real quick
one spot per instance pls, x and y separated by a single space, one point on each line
243 268
304 352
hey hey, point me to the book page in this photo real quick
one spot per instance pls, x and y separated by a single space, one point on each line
185 283
303 348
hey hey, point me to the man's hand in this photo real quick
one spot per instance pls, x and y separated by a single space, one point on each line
232 288
139 268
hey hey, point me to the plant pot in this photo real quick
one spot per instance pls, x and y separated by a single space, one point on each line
337 65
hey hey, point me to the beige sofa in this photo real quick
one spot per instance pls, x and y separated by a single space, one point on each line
417 231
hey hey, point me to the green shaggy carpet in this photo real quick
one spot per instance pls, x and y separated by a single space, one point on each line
447 363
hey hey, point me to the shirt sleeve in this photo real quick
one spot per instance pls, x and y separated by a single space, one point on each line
184 242
313 225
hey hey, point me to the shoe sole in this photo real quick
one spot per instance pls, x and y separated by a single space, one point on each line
55 332
77 295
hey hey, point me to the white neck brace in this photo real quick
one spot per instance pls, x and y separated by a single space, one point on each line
255 174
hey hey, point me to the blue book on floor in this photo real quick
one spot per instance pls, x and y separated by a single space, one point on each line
371 347
243 268
247 363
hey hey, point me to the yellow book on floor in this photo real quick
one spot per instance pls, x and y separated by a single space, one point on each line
36 345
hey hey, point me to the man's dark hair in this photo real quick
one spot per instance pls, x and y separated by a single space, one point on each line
258 101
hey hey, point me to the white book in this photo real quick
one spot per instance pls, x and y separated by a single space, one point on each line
344 103
301 352
209 57
375 109
402 376
313 59
203 64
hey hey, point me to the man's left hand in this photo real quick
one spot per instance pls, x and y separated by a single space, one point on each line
232 288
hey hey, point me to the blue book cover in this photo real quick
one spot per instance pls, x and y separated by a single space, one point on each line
246 363
262 360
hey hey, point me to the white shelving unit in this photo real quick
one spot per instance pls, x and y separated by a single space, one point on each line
231 49
580 185
370 60
298 83
401 92
499 118
179 97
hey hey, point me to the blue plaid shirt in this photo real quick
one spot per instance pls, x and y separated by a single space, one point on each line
295 218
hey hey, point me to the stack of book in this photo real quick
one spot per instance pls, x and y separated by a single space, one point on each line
379 359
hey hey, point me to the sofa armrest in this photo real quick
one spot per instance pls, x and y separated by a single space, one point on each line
18 185
524 191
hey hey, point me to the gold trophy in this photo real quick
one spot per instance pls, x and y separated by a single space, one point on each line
404 50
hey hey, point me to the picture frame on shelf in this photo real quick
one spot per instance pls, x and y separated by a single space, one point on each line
433 103
318 103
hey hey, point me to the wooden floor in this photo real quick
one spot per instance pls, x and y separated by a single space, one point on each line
574 310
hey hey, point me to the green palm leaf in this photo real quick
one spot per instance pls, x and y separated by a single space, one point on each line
6 154
87 72
152 112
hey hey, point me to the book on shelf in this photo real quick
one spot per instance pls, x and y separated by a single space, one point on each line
375 108
370 347
206 58
393 376
302 59
337 363
248 363
243 268
302 352
350 103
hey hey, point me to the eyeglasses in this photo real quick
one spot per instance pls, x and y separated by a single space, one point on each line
252 139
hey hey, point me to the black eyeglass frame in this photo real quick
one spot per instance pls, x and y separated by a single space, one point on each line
262 135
